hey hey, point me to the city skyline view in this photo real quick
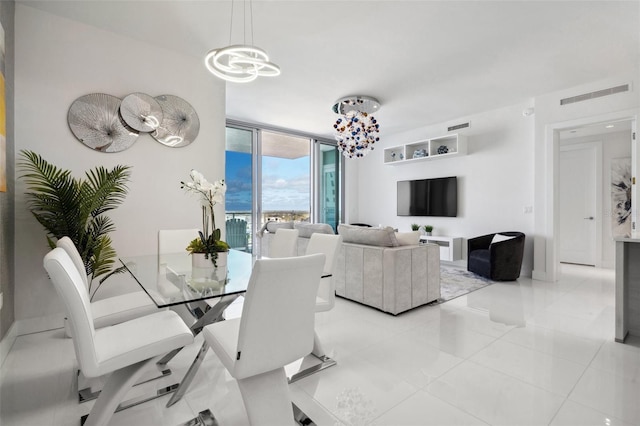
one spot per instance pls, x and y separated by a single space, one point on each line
285 183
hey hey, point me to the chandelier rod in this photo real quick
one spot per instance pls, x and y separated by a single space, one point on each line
251 18
231 23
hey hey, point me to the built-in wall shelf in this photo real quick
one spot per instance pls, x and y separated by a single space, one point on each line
429 149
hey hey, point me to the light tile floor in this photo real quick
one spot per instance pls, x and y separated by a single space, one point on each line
522 353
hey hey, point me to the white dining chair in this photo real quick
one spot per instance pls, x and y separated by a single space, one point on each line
111 310
122 351
275 329
106 312
176 241
329 245
283 243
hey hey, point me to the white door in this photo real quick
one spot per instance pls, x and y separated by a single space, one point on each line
577 202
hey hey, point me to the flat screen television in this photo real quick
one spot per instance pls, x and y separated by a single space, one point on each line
428 197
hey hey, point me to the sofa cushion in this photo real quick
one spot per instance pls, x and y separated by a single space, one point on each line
306 229
408 238
381 237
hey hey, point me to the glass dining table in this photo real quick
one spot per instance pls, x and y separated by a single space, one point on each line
170 280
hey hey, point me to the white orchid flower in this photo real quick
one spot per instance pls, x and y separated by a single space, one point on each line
197 177
218 198
208 186
210 193
220 187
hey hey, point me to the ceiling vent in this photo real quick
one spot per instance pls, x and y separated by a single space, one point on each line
458 126
596 94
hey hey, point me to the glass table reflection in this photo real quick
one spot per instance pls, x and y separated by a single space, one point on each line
170 280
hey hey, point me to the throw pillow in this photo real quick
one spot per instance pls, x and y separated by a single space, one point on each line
306 229
500 237
381 237
408 238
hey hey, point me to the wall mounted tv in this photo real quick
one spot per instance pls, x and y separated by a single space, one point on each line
428 197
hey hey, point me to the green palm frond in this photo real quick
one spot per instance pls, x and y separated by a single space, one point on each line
76 208
104 257
106 189
53 196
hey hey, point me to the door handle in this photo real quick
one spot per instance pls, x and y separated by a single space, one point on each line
590 218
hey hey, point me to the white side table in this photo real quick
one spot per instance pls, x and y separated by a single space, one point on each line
450 247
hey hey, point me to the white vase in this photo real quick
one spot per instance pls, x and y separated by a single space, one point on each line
198 261
222 259
205 277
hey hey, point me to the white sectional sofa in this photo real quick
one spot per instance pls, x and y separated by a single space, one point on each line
304 233
377 267
376 270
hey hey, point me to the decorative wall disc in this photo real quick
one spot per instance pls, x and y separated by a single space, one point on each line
94 120
180 124
141 112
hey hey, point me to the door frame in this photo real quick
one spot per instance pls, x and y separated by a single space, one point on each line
599 203
548 256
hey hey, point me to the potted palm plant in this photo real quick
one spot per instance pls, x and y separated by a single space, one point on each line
76 208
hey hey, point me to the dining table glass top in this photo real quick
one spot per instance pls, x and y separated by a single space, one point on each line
170 279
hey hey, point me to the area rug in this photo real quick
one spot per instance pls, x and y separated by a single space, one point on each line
456 282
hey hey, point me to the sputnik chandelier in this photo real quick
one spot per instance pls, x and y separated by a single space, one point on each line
240 63
356 130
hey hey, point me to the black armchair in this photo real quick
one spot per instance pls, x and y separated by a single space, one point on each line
500 261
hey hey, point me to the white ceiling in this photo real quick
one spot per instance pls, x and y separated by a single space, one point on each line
596 129
426 61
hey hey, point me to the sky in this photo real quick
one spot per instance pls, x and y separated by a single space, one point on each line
285 183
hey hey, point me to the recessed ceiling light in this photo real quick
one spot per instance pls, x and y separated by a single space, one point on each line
609 126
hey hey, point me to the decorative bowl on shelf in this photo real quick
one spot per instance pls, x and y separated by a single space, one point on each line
420 153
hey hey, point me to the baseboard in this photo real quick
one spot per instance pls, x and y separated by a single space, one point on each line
610 264
39 324
540 276
7 342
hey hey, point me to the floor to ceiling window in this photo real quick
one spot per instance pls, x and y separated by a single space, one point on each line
329 184
239 179
278 176
286 177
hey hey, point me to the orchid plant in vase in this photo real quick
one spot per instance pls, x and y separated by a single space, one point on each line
210 194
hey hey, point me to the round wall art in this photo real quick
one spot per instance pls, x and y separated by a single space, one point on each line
95 121
180 124
141 112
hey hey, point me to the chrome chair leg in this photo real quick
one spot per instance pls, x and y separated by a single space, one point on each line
89 394
188 377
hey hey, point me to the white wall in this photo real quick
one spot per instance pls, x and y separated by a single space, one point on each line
57 61
495 179
551 116
614 145
511 165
